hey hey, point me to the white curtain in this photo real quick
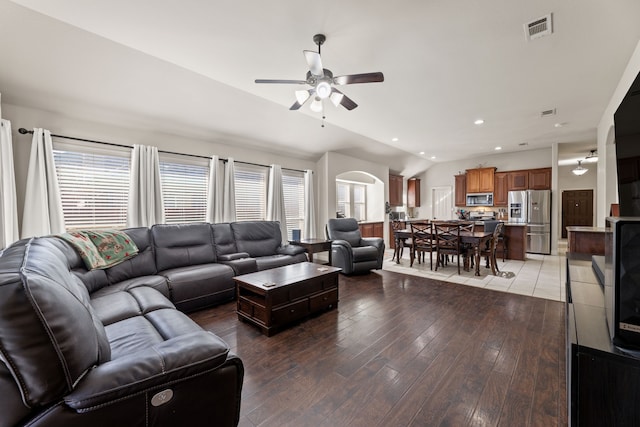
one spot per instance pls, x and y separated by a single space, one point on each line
229 192
145 192
309 231
214 196
42 206
8 204
275 201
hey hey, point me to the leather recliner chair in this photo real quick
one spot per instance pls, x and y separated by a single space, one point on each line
349 250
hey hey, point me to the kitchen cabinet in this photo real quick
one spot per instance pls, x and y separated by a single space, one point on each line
500 189
518 180
395 190
413 193
480 180
540 179
372 229
461 190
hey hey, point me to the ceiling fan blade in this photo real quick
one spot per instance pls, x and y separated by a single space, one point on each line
302 96
288 82
359 78
315 63
338 97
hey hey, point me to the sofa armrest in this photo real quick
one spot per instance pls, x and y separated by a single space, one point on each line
372 241
241 265
162 364
234 256
291 250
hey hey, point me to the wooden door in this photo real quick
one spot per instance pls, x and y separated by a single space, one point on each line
577 209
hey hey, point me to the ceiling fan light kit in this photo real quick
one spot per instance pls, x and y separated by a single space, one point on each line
322 82
579 170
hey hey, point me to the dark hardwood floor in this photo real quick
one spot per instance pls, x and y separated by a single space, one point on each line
403 350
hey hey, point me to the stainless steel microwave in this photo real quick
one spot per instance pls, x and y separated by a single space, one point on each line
480 199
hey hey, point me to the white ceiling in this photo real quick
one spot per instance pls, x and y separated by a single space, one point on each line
189 67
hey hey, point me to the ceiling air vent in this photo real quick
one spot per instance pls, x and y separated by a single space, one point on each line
538 28
547 113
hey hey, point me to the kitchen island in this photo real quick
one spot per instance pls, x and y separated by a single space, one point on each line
516 240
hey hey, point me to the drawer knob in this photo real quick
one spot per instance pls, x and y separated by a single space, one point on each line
292 310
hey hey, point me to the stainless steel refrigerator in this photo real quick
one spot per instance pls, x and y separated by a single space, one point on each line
533 208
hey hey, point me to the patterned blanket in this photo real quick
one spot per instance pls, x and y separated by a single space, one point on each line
101 248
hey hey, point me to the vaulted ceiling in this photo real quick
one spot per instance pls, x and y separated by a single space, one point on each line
189 67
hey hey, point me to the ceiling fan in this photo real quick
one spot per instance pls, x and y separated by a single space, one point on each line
322 82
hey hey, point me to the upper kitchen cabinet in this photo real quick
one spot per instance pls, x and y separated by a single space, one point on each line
480 180
395 190
500 189
461 190
518 180
540 179
413 192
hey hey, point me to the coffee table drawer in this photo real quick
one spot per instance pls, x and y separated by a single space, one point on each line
324 301
305 289
290 312
253 310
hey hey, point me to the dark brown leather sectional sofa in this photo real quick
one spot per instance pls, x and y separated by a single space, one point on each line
113 347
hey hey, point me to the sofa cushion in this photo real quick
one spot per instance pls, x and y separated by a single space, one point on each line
182 245
344 229
92 279
223 239
115 305
49 333
257 238
143 264
198 286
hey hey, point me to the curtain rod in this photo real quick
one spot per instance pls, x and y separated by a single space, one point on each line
24 131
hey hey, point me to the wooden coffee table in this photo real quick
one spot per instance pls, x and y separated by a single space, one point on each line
272 299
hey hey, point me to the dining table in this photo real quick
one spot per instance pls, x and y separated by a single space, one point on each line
476 239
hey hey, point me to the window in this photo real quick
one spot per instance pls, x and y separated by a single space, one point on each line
251 192
293 189
343 193
351 199
94 184
184 188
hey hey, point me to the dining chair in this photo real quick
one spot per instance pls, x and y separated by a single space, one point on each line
423 241
468 226
448 243
489 251
398 243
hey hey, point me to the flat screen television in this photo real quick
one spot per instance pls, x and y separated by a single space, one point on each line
627 134
622 238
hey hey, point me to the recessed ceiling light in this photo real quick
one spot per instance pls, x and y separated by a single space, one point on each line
498 148
433 157
394 139
478 122
422 152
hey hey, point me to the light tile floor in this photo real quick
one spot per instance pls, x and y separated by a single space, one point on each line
540 276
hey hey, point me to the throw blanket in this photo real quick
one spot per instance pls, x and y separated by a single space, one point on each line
101 248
